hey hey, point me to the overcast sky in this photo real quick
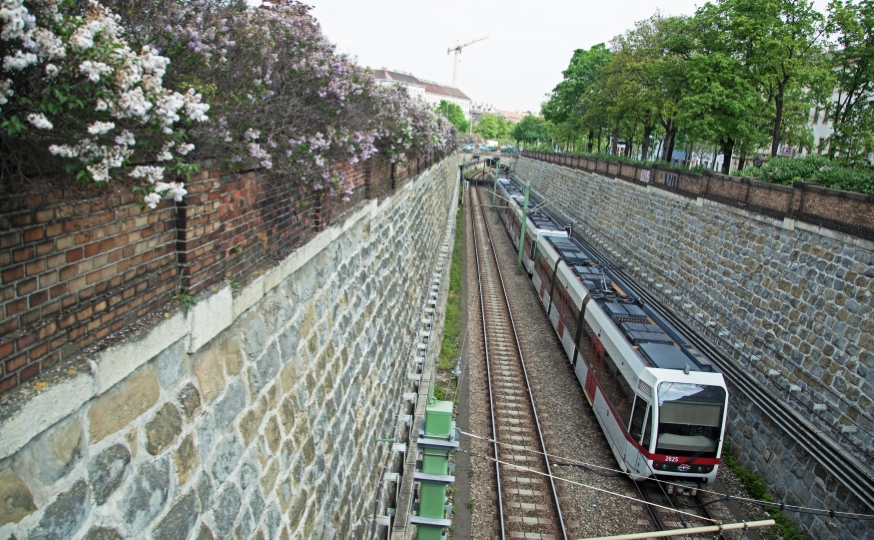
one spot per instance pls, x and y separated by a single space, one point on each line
530 43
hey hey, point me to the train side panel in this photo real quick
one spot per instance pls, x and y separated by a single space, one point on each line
542 274
567 301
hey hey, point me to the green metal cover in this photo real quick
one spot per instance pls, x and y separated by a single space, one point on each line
438 419
435 462
432 500
430 532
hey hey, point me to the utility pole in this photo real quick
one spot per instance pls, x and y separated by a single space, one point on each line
522 232
495 189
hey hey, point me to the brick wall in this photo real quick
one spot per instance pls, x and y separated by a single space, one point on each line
75 271
77 267
851 213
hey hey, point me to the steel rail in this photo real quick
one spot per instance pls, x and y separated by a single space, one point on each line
822 448
657 520
553 490
471 194
650 509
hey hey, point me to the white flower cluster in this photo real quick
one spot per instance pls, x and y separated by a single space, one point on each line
132 96
99 128
165 190
94 70
40 121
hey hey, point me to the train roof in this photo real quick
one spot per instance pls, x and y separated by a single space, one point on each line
657 343
541 218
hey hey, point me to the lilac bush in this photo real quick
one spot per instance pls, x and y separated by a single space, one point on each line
279 96
71 84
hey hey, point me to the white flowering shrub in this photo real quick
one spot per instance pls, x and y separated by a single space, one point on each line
280 94
277 93
72 84
407 126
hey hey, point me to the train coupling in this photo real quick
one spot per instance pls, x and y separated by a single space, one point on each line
683 488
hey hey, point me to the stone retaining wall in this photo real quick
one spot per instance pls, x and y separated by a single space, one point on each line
254 414
792 297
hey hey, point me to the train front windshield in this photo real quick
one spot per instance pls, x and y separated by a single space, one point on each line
690 419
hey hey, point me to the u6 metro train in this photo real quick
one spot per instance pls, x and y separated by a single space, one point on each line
661 404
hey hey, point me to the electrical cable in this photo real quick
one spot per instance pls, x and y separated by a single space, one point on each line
595 488
720 496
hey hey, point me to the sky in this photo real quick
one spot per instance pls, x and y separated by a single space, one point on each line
529 43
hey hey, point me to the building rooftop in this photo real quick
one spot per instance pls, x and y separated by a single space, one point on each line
430 87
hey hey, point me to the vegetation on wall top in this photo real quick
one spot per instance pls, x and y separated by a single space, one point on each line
211 78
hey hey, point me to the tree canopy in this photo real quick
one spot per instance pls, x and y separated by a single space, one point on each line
531 129
454 114
741 76
493 126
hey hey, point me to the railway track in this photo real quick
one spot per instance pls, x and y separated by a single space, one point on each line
527 500
663 519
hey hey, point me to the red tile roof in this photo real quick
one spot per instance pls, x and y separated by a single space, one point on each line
430 87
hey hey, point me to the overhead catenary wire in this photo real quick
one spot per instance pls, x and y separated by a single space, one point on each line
721 497
574 482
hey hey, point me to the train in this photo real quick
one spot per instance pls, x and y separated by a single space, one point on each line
660 402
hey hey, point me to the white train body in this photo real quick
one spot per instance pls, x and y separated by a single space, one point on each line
661 404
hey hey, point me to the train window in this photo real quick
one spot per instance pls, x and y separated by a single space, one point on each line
647 430
617 390
690 419
541 266
568 311
639 421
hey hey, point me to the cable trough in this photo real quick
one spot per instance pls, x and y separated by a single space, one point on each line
528 503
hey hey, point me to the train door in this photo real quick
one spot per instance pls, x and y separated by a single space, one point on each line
565 298
640 431
595 368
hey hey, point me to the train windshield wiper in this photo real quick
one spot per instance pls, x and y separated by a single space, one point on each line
700 453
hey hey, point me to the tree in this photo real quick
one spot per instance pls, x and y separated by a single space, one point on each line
492 126
454 114
531 129
780 41
646 79
721 103
852 113
566 104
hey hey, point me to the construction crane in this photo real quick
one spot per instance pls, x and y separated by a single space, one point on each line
457 50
